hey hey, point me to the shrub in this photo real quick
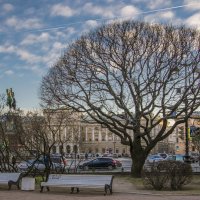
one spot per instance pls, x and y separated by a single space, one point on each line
179 174
155 176
164 174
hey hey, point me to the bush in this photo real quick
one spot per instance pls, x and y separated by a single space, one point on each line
164 174
179 174
155 176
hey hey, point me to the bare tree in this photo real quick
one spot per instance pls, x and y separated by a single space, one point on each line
33 136
43 131
131 77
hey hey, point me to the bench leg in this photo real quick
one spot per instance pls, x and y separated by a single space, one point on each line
41 189
10 183
106 188
72 190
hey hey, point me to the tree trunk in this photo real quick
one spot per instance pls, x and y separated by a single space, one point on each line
138 159
136 167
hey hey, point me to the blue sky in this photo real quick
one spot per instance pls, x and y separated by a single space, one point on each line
35 33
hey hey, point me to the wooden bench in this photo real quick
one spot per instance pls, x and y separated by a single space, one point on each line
10 178
79 181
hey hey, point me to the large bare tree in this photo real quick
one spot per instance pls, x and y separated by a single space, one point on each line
131 77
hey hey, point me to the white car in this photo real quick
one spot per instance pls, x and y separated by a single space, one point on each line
25 165
154 158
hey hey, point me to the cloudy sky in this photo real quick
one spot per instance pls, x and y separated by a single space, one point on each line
35 33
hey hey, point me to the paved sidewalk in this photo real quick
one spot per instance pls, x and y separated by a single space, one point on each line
122 188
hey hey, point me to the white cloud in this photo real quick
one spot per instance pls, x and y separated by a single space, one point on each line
91 23
33 39
7 49
58 45
192 7
154 4
129 11
23 24
62 10
70 30
98 10
28 57
7 7
194 21
167 16
9 72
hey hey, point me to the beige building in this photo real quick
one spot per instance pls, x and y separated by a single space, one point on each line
93 138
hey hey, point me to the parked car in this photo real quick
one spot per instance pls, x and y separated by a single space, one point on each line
107 155
26 165
59 162
163 155
195 157
180 157
116 155
102 162
154 158
177 157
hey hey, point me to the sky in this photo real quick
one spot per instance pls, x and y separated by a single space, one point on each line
35 33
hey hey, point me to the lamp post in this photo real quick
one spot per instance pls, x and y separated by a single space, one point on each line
114 146
186 123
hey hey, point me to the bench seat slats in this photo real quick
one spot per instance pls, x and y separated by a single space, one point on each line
79 181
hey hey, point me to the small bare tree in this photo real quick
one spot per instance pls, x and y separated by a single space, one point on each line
33 135
130 77
43 131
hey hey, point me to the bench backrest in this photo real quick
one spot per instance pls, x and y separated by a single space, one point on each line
81 179
9 176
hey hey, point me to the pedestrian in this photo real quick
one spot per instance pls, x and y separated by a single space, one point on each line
13 161
86 156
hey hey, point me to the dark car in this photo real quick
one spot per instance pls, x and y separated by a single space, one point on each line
99 163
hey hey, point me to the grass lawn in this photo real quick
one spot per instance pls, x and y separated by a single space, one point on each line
191 188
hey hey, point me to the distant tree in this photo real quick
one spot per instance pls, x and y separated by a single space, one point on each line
131 77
